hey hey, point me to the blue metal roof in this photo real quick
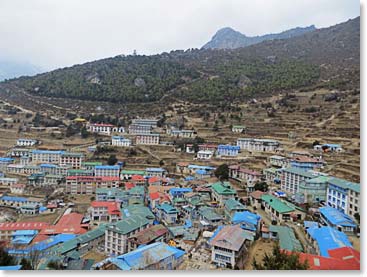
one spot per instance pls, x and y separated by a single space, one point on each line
6 160
202 172
48 165
228 147
246 216
52 241
137 259
280 193
36 151
176 191
336 217
194 166
310 224
11 267
188 223
332 145
216 233
13 198
22 240
328 238
167 208
25 233
189 178
111 167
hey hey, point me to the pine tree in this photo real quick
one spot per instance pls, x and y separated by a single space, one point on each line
280 260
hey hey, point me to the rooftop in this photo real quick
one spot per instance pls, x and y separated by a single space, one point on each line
344 184
137 259
328 238
223 188
336 217
233 204
150 234
231 237
246 216
112 207
287 238
277 204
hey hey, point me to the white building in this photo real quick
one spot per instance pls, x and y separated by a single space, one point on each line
147 139
181 133
105 211
107 170
7 182
101 128
228 246
118 233
120 141
46 156
278 161
74 160
238 128
292 177
204 155
26 142
343 195
146 121
139 129
258 145
17 188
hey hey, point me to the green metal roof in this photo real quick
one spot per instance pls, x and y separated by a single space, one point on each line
91 163
73 154
345 184
232 204
133 172
79 171
287 239
276 204
223 188
318 180
209 213
271 170
299 171
167 208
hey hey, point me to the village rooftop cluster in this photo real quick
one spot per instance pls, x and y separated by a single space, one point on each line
197 216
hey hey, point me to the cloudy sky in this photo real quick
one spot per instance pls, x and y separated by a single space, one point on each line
58 33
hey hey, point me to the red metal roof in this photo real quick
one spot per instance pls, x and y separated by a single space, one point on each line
18 185
129 185
256 194
40 237
13 226
137 178
153 179
344 258
67 224
304 159
102 125
112 207
183 163
154 195
249 171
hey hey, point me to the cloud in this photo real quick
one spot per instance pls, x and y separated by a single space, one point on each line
54 34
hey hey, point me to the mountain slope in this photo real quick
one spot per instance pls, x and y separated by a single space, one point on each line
327 57
227 38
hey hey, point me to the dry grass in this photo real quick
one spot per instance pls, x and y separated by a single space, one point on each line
257 251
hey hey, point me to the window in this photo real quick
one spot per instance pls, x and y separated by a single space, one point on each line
222 257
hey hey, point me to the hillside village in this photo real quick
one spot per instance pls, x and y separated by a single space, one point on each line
181 189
